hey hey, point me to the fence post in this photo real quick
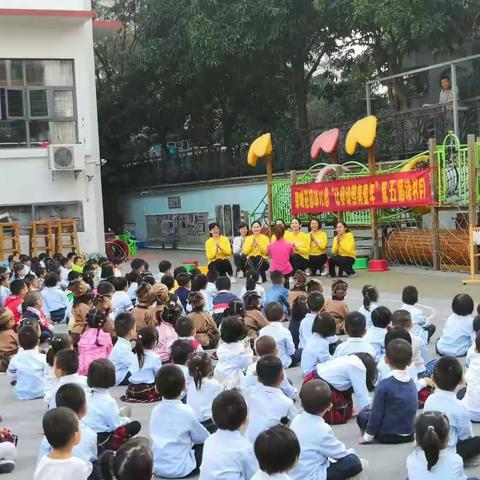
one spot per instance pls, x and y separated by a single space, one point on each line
432 154
472 194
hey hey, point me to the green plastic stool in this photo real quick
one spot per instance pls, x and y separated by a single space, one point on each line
189 266
361 263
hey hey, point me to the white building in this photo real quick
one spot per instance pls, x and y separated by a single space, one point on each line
48 97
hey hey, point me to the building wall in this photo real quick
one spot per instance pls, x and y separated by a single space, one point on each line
25 177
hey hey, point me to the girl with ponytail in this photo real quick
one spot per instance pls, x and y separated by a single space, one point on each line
431 458
200 396
370 299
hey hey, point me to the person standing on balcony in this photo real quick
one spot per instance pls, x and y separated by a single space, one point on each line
344 253
256 250
318 247
239 257
301 242
218 251
446 93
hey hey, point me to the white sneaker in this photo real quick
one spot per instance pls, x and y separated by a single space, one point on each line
232 279
240 274
308 272
323 273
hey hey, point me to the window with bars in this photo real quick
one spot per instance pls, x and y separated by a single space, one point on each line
37 103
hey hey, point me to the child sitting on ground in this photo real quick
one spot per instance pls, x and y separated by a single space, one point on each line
471 351
457 333
8 338
104 417
166 320
60 341
251 285
355 326
392 415
204 388
447 376
181 352
277 451
267 405
223 297
422 328
62 431
185 329
121 302
56 303
14 302
286 349
32 308
133 279
381 319
315 304
471 400
370 299
199 284
266 345
28 367
319 345
253 317
184 285
94 342
205 327
144 366
82 303
211 289
317 440
299 288
4 288
72 396
227 453
174 428
337 306
143 313
122 355
234 353
277 293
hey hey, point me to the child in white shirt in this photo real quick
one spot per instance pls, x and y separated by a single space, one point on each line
55 302
286 348
234 353
27 369
133 279
381 318
315 303
121 301
471 400
267 404
317 440
62 431
185 329
277 451
204 388
227 453
180 353
122 355
471 350
370 303
355 327
174 428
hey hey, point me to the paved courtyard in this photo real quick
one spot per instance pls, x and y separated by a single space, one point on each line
436 292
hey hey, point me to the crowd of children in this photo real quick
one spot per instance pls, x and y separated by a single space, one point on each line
215 366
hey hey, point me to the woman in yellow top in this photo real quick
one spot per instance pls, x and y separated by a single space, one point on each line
318 247
255 249
301 242
218 251
343 250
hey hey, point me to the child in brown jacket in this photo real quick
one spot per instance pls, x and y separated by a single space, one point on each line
336 306
207 333
8 338
253 318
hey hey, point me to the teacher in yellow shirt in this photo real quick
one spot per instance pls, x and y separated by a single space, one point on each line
301 242
218 251
343 250
255 249
318 247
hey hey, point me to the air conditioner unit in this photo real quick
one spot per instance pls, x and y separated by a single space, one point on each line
66 157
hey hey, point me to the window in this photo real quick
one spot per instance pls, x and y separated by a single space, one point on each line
37 102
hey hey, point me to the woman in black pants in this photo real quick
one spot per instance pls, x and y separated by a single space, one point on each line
318 247
344 253
255 248
218 251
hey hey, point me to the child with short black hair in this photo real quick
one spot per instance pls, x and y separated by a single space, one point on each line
317 440
72 396
184 284
174 428
422 328
27 369
234 352
4 288
121 302
222 298
471 399
286 349
472 350
277 451
211 289
206 330
355 327
32 308
381 319
315 304
322 341
168 281
203 389
122 355
267 404
447 376
227 451
180 353
457 333
104 416
144 366
56 304
337 306
60 341
14 302
277 293
185 329
391 417
133 279
165 267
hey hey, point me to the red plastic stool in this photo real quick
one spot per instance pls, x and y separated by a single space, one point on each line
191 262
378 265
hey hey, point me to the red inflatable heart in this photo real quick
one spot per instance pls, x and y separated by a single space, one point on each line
327 142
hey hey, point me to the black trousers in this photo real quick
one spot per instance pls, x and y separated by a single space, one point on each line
298 263
240 261
468 448
346 467
317 262
344 264
387 438
260 265
222 267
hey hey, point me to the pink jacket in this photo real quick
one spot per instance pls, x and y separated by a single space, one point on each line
280 251
166 336
91 347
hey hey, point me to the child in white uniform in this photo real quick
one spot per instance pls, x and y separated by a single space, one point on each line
370 303
381 318
355 327
315 304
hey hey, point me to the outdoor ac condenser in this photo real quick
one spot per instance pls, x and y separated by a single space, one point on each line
66 157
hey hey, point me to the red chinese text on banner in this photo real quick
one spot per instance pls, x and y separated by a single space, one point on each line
403 189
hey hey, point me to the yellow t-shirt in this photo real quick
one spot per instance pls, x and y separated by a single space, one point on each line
260 250
320 247
213 253
303 241
346 246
